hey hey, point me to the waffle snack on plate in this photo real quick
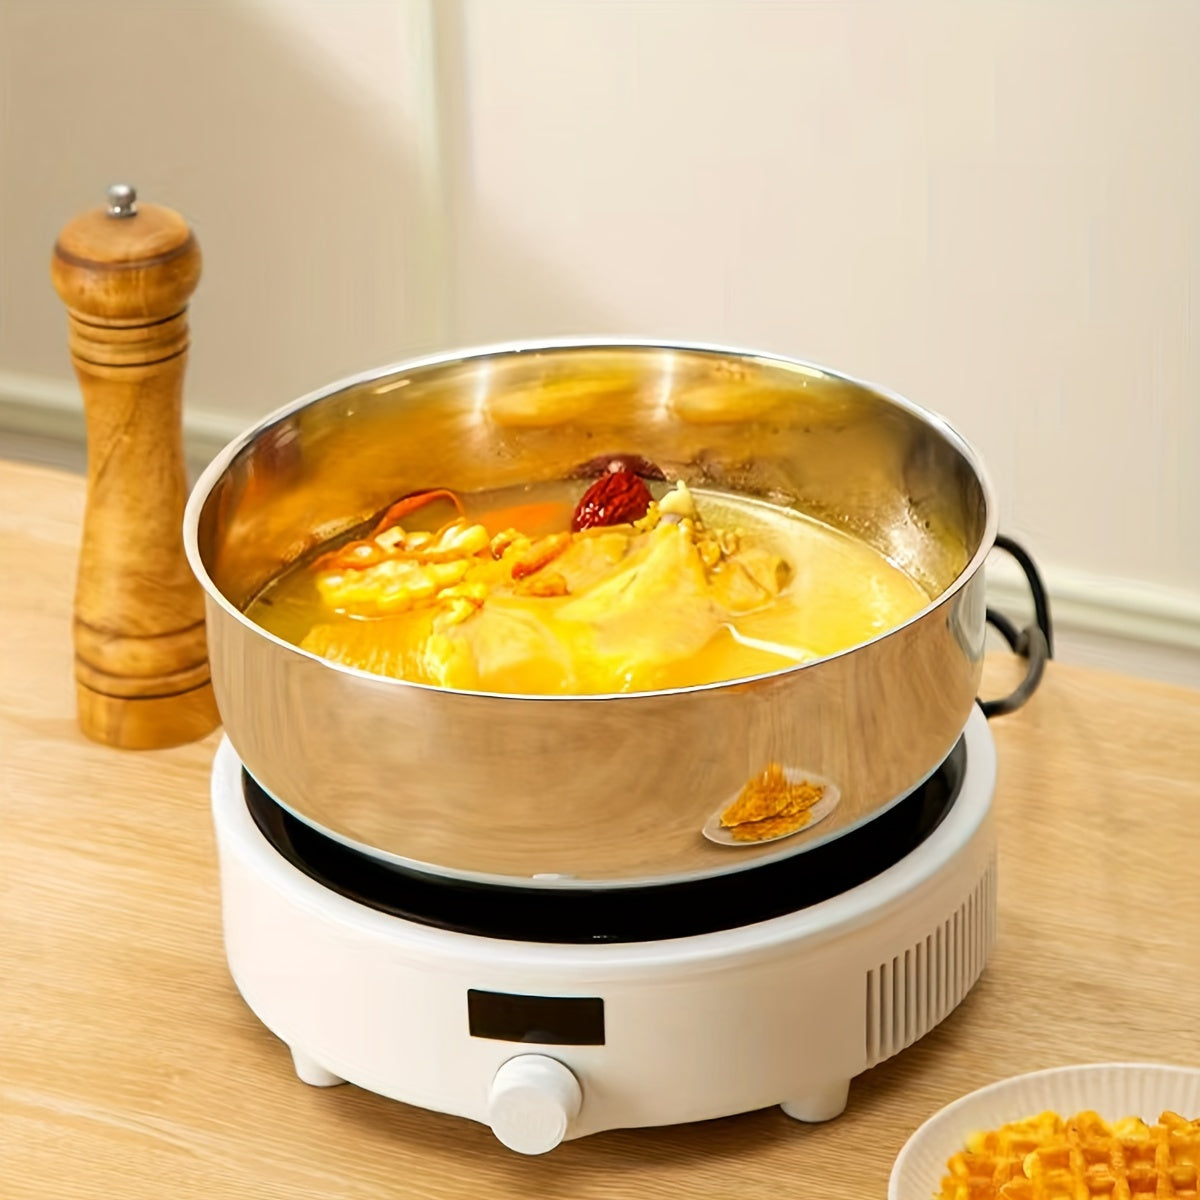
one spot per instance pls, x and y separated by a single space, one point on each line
771 804
1080 1158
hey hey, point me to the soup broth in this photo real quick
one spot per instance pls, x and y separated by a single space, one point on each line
706 587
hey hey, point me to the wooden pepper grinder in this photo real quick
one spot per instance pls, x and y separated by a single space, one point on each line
125 274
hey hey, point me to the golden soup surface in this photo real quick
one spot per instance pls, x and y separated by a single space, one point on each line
494 592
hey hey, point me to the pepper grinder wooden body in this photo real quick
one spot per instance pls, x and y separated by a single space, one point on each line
125 274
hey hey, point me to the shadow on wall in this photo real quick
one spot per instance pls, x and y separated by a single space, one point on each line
298 142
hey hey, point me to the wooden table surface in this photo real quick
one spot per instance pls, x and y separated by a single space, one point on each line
130 1068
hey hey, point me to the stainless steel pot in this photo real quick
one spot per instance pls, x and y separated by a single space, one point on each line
600 790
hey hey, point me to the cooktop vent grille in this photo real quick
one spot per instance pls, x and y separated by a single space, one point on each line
909 995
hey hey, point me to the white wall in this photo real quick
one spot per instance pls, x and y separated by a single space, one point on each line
992 206
294 137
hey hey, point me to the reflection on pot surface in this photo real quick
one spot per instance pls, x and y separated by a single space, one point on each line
543 610
777 803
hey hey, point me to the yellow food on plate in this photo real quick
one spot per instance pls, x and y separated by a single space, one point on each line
771 794
771 805
770 827
1083 1157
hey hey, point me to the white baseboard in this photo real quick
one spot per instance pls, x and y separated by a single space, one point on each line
1127 624
1116 624
36 406
1121 608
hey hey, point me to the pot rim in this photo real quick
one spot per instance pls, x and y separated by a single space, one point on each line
211 474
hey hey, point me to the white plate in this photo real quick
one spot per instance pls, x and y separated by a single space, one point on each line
716 832
1113 1090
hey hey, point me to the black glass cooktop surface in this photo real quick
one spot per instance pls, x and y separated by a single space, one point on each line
617 914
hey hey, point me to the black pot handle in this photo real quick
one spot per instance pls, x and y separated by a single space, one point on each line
1035 642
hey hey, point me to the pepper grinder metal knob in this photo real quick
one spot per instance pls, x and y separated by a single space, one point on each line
126 273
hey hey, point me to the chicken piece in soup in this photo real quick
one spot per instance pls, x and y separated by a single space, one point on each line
520 592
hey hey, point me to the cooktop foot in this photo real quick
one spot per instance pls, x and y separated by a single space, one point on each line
819 1103
312 1073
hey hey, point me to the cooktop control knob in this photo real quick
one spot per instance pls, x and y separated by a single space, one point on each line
533 1100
